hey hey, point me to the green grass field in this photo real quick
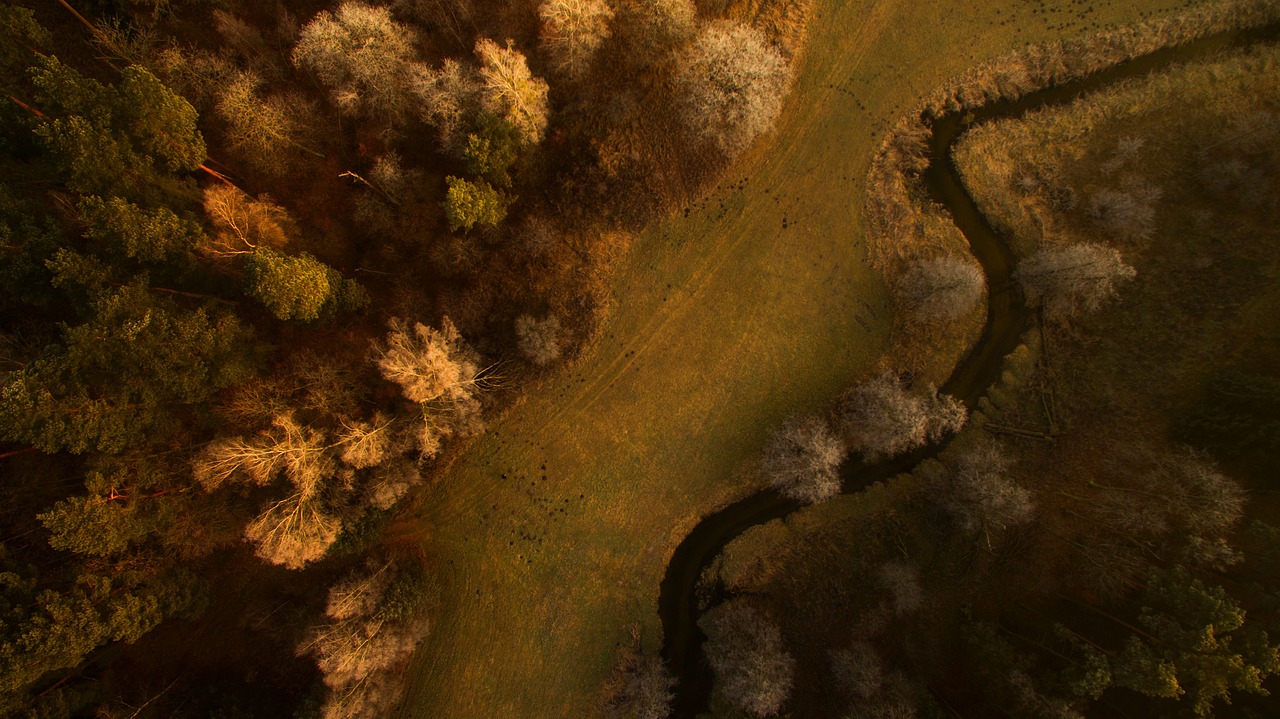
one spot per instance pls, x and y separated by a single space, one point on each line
549 537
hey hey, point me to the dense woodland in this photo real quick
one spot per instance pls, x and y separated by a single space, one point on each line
267 266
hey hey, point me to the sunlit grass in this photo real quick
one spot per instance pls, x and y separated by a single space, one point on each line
726 323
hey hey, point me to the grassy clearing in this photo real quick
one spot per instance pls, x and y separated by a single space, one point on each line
755 305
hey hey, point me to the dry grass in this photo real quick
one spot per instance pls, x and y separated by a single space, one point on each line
756 305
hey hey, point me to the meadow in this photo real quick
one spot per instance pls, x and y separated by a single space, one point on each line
550 535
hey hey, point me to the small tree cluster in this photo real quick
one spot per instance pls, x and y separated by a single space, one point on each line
802 460
1067 281
731 83
1178 507
754 671
941 289
572 32
1194 645
881 418
322 477
373 622
298 528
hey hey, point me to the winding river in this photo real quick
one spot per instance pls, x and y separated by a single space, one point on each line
1007 319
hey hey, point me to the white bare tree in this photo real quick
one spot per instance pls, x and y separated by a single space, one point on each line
881 418
510 91
902 581
858 670
572 32
392 481
941 289
362 55
1066 281
1128 212
293 531
732 83
978 489
802 460
753 669
364 643
289 447
430 365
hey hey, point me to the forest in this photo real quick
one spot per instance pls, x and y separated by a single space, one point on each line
638 358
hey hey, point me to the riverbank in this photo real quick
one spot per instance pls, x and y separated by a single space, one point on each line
756 306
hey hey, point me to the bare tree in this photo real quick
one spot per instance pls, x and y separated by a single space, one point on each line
197 74
289 447
358 594
753 669
392 481
365 444
880 418
731 83
510 91
902 581
941 289
241 224
572 31
260 129
361 55
539 340
979 491
293 531
641 685
858 670
1066 281
450 95
430 365
802 459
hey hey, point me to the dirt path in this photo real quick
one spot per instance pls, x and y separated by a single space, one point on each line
551 535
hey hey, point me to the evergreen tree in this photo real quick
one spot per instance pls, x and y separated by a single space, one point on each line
114 379
106 140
